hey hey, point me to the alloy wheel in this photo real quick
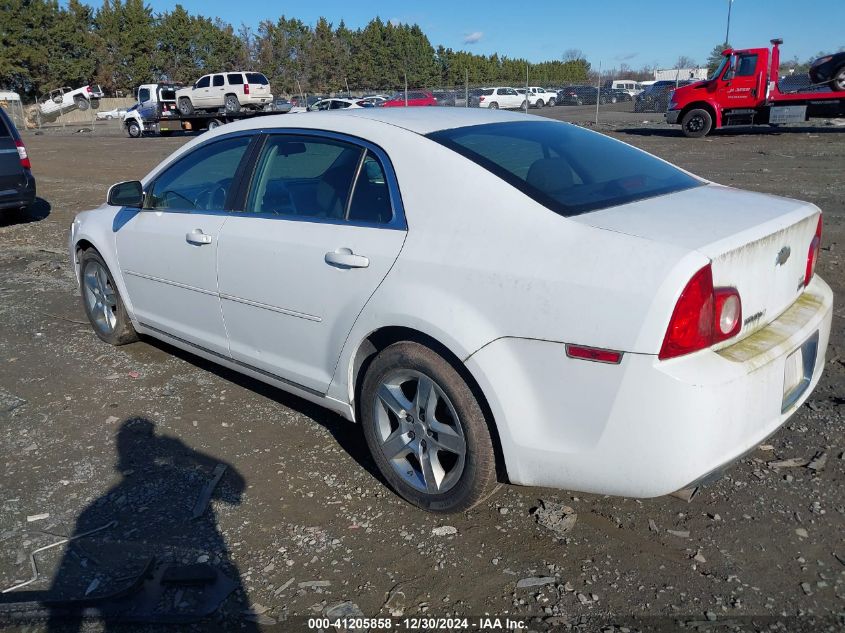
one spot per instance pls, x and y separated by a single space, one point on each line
100 297
419 432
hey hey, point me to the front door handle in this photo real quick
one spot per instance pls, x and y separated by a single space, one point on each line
198 237
345 258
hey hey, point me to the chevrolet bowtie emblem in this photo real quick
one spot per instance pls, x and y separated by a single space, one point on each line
783 255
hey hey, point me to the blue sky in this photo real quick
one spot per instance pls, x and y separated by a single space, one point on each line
611 31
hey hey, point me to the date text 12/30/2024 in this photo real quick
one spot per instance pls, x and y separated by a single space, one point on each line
486 623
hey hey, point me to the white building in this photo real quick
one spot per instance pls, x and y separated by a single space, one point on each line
680 74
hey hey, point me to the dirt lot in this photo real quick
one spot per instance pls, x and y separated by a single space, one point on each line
92 434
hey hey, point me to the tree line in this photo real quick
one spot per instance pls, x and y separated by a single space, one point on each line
123 43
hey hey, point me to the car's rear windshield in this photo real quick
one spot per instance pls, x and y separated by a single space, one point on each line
256 78
563 167
168 94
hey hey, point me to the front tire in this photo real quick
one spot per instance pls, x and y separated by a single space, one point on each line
133 129
697 123
426 430
102 302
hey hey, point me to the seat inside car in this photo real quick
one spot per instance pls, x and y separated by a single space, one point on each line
550 175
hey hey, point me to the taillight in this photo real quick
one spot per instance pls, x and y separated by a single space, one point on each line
481 98
703 315
23 155
813 254
88 89
246 89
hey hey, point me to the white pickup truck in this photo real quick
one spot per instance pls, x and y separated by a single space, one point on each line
66 98
538 97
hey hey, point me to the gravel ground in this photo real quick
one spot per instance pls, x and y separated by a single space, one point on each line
92 435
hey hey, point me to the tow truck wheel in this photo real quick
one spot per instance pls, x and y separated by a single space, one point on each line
186 108
697 123
214 124
133 129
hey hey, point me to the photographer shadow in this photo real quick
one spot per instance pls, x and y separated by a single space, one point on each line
152 509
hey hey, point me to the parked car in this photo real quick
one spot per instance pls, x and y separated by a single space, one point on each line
415 98
17 185
66 98
614 95
500 97
301 104
629 86
581 95
655 98
544 97
644 331
535 99
829 70
281 105
338 103
108 115
376 100
232 91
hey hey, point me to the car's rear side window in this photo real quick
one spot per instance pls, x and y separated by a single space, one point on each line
5 132
565 168
256 78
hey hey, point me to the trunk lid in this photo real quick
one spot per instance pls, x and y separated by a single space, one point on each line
757 243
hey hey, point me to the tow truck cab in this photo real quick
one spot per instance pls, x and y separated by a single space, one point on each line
743 90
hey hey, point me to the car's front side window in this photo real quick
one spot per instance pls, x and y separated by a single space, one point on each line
203 82
200 181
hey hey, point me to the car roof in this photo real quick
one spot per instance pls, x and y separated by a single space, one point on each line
427 120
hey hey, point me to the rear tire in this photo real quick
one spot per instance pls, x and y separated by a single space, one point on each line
232 104
186 108
696 123
213 124
838 81
540 103
102 302
82 103
494 106
443 435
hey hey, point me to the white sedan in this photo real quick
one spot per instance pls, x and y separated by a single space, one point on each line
492 296
108 115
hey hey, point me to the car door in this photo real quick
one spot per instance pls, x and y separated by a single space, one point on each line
217 94
201 94
739 84
321 227
168 251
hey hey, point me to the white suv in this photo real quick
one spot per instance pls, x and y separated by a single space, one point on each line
506 98
231 91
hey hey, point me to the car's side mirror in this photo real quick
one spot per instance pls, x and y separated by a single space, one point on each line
126 194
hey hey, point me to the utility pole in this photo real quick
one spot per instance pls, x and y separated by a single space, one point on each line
728 30
598 94
466 87
406 90
526 88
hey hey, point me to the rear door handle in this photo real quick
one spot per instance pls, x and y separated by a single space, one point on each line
198 237
345 258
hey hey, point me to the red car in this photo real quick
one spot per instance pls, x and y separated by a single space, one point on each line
415 98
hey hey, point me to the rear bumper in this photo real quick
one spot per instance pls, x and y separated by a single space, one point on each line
19 196
672 116
645 427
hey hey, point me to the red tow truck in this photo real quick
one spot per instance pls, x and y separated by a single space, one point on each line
744 90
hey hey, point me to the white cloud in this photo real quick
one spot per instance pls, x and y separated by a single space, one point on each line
472 38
